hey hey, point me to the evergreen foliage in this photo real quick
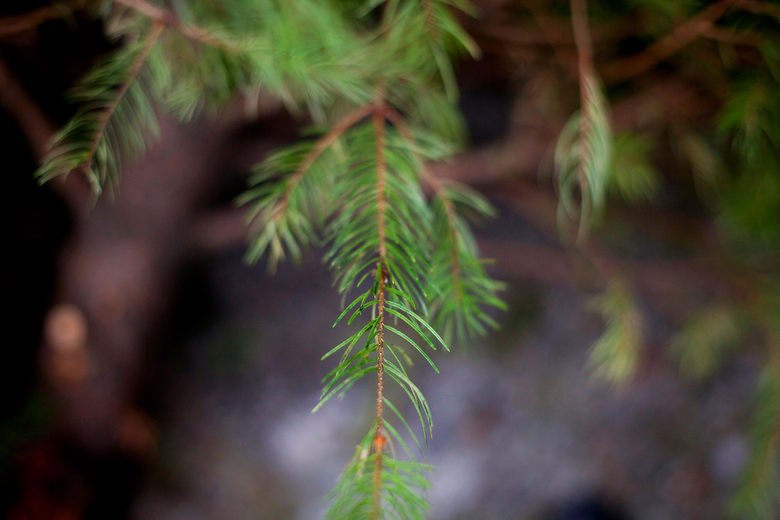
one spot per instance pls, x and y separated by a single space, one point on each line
616 353
376 78
358 189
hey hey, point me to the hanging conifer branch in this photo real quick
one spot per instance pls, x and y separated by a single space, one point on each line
115 121
583 154
579 21
364 196
105 117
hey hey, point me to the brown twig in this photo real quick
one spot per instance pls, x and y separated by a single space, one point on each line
381 183
168 18
758 7
32 19
667 46
579 22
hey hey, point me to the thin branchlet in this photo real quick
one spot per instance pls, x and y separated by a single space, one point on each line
105 116
168 18
381 172
675 41
344 124
438 188
582 39
452 219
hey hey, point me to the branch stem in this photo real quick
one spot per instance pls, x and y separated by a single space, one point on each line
381 171
32 19
584 44
681 36
168 18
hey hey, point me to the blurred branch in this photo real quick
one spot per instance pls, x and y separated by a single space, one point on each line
30 20
168 18
759 7
551 33
38 129
667 46
732 36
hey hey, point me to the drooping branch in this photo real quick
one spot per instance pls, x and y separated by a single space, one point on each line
105 116
32 19
584 44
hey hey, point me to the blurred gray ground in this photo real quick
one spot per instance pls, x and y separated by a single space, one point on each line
521 429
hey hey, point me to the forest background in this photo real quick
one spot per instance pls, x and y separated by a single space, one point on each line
678 238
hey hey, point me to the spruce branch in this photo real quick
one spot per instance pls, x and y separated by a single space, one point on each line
583 154
582 40
471 289
105 116
378 233
92 142
272 212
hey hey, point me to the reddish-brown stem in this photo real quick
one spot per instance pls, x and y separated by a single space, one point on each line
105 117
579 22
669 45
32 19
381 172
168 18
759 7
